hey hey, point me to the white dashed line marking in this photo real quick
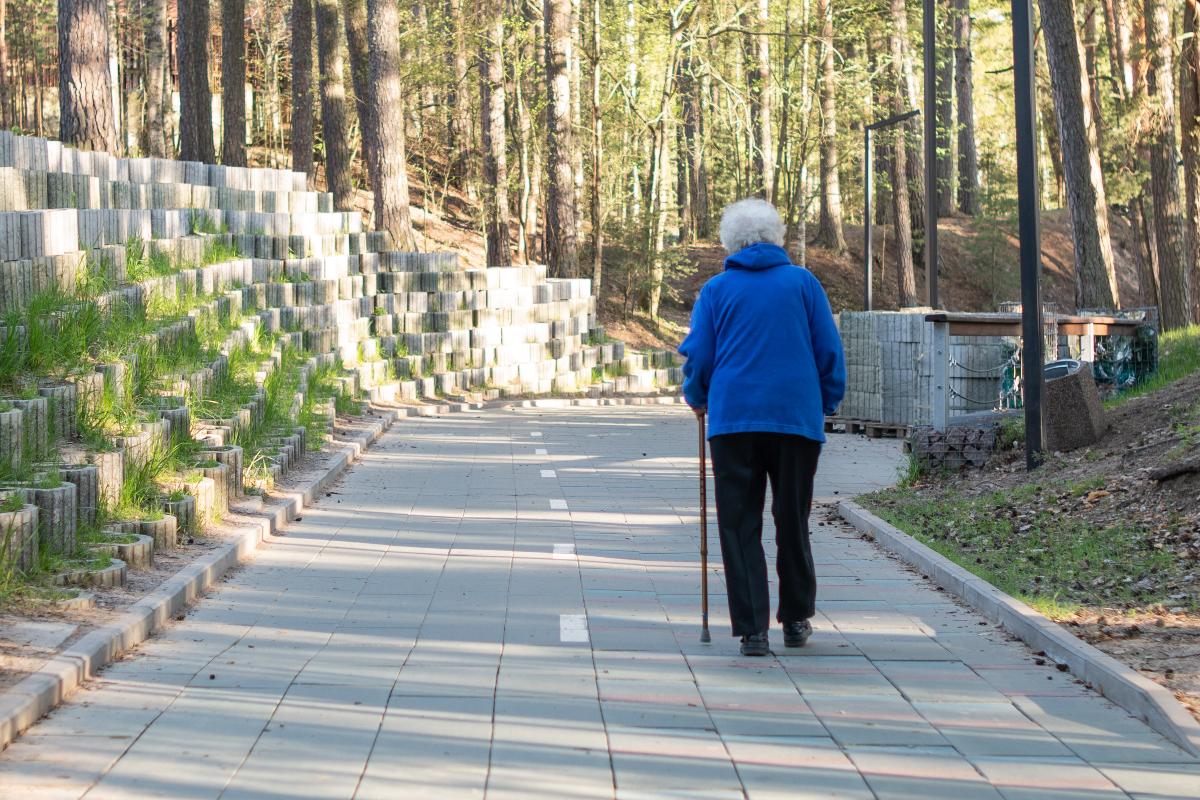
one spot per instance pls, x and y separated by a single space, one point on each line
536 434
572 627
541 451
564 552
549 473
558 505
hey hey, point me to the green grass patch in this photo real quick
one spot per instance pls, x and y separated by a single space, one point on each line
1052 560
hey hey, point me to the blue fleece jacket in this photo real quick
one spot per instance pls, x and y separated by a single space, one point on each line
764 353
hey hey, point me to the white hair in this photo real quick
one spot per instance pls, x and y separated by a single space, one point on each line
748 222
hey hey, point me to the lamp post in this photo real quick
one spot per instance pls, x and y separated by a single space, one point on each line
1029 229
869 191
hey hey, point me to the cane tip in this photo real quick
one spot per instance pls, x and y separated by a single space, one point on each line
705 637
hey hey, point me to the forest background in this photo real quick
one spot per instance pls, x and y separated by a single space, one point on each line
602 137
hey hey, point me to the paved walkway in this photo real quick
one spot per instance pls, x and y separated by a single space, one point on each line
505 604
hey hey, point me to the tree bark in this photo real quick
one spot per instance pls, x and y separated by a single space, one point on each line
1095 274
597 162
195 96
1189 110
233 82
1173 250
761 105
968 155
561 231
389 165
944 90
354 20
5 121
1116 19
495 138
829 228
85 88
302 90
459 96
333 105
901 213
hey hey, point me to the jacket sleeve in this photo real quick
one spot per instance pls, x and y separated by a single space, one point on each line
827 348
699 348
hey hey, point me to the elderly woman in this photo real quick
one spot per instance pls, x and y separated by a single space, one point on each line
765 362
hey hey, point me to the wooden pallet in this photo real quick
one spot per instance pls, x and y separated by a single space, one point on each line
868 428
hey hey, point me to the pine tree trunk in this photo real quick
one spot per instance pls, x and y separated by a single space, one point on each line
302 91
914 138
1090 68
692 154
495 139
968 157
1189 109
829 229
761 110
561 248
597 162
901 213
389 166
5 120
1116 19
944 81
1095 274
334 129
85 97
233 82
354 20
195 96
1174 271
459 97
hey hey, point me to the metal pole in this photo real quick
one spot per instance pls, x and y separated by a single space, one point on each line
868 191
1029 229
931 210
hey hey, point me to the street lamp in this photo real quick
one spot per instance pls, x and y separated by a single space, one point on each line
869 191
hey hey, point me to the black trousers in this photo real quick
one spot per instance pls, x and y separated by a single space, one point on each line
742 465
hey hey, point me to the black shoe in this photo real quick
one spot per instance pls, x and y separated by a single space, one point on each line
795 634
756 644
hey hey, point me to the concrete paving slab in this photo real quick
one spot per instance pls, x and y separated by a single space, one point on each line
406 641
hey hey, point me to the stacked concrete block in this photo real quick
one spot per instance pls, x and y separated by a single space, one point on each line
889 368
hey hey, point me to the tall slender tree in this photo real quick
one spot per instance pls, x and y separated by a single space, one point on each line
334 130
387 148
1170 233
561 218
85 99
901 213
761 105
597 211
945 109
495 138
829 227
1095 273
355 21
459 97
233 82
964 95
155 20
195 96
1189 112
302 86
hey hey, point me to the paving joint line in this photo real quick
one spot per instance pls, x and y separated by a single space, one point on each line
55 681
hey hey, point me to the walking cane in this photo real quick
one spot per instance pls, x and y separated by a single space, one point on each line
704 635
